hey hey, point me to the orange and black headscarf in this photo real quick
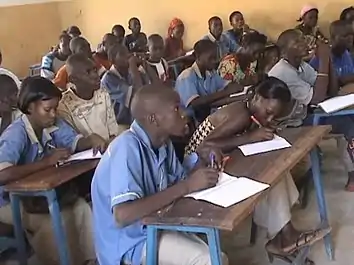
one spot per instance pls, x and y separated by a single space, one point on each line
173 24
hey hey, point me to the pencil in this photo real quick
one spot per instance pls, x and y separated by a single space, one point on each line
256 121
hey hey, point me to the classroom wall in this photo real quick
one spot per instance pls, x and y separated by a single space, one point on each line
270 16
26 33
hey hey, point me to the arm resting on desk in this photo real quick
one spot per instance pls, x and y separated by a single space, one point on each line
131 211
13 172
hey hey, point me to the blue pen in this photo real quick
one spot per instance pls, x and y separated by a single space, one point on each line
212 159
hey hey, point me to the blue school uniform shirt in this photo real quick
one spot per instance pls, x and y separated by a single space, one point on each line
129 170
120 90
19 144
344 64
225 45
190 85
236 39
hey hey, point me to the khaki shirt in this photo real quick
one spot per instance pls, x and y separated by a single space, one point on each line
89 116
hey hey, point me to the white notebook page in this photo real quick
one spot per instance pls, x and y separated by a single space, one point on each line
337 103
84 155
266 146
229 190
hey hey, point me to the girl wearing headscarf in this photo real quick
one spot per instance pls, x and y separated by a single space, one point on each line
308 26
174 42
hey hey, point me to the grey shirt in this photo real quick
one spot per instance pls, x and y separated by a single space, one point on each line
300 81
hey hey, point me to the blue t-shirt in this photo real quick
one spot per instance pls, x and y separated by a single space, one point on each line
343 64
19 144
129 170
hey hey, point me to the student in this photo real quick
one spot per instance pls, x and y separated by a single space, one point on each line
199 86
25 148
122 81
156 50
174 41
224 45
4 71
271 56
53 61
341 36
310 87
119 32
100 57
151 178
239 28
85 106
8 102
136 41
77 45
74 31
347 14
308 26
240 66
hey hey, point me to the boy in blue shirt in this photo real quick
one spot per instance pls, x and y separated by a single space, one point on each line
35 141
140 174
200 86
342 61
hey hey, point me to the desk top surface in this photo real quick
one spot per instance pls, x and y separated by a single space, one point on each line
52 177
267 167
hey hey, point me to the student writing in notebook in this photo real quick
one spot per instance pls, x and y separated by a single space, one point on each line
226 131
156 60
200 85
151 177
37 140
308 86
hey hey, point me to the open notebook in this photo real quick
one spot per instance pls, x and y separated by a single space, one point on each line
84 155
337 103
229 190
266 146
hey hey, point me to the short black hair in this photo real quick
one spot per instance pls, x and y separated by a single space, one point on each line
36 88
109 39
73 30
7 84
285 37
234 14
75 61
212 19
64 35
118 28
155 37
272 48
77 41
336 26
132 19
273 88
203 46
114 50
345 12
254 37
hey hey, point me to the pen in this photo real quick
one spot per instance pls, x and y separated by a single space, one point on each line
256 121
212 160
223 163
51 146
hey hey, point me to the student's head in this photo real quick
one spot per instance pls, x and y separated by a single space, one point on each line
80 45
309 16
74 31
270 98
119 32
8 92
118 55
64 41
82 73
157 107
156 46
347 14
206 54
39 99
176 28
236 20
253 44
108 40
134 25
292 45
341 35
215 27
271 56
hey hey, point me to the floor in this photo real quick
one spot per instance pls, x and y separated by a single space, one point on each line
341 215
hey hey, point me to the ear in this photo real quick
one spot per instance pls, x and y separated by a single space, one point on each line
31 107
152 119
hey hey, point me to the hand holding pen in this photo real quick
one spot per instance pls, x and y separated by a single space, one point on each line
218 164
262 133
57 155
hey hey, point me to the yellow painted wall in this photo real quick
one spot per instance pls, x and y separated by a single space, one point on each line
96 17
26 33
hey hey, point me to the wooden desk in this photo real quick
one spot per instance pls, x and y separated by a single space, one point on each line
52 177
43 183
267 167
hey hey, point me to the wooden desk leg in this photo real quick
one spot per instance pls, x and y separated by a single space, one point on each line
59 232
151 245
19 232
316 174
214 246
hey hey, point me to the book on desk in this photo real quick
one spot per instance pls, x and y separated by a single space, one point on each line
337 103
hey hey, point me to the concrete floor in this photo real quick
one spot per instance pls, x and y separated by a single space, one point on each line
341 216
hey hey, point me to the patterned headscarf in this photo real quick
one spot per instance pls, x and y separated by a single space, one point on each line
173 24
